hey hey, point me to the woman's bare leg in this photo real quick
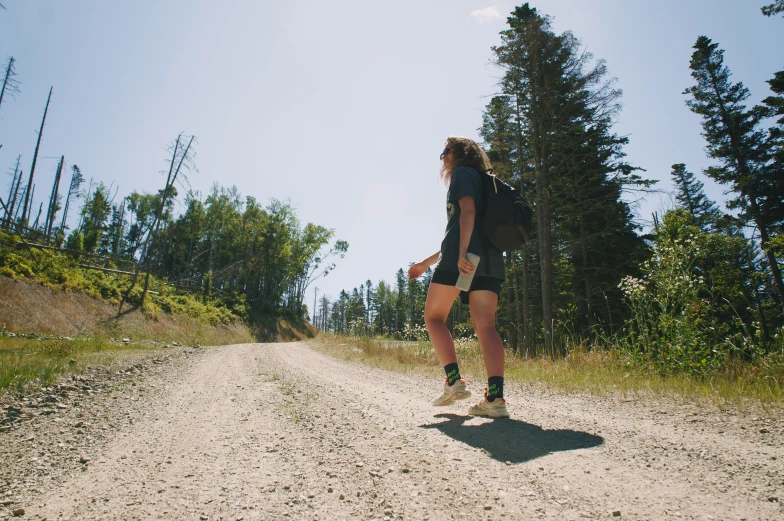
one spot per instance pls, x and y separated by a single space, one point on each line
483 306
437 306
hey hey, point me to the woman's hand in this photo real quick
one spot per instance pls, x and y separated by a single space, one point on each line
416 270
463 266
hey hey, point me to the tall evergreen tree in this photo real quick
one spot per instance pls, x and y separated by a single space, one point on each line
73 191
735 139
401 310
776 103
562 106
112 241
95 215
690 196
536 62
503 137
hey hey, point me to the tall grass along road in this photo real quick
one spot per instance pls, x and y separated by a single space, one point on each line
283 431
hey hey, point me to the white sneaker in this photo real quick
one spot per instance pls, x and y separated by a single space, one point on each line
456 391
494 409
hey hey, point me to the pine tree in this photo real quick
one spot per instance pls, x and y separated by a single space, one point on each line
535 59
776 103
113 239
503 138
774 8
690 196
95 215
73 191
401 310
370 297
562 106
735 139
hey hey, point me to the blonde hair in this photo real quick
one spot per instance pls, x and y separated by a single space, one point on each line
464 152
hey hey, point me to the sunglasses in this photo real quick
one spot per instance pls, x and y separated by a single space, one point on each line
445 152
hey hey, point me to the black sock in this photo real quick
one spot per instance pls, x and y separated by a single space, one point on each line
495 388
452 373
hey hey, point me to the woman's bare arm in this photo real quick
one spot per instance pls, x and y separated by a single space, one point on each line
467 219
420 267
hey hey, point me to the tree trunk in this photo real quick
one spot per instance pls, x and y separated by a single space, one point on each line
19 206
25 216
170 179
13 194
40 209
52 212
585 269
29 208
756 215
8 80
545 251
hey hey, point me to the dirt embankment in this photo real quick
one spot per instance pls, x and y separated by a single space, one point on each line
28 307
281 431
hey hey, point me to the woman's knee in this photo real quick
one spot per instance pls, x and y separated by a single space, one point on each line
485 331
483 321
433 319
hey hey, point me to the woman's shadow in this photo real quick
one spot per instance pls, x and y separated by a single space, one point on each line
513 440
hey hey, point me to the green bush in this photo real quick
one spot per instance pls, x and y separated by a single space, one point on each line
689 310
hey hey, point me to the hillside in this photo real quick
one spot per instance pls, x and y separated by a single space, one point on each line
31 307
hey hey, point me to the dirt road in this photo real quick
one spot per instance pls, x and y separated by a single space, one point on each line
280 431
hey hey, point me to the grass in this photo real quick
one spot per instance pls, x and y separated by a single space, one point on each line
598 372
28 363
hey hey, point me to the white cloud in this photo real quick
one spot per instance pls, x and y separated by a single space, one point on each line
486 15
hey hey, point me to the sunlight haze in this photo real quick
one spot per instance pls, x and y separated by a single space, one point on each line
341 108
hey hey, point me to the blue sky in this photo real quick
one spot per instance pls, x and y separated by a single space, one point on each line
339 107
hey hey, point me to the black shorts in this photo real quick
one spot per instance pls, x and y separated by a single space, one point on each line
449 278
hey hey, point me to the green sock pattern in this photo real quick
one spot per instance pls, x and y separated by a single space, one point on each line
495 388
452 373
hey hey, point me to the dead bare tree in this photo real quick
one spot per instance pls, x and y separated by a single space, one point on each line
181 161
35 158
181 154
15 182
19 206
38 217
10 83
28 209
54 203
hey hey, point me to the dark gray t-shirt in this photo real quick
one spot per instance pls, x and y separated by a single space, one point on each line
467 182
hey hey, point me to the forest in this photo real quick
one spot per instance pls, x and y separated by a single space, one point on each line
699 290
225 249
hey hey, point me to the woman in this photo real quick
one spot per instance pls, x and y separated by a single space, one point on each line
463 160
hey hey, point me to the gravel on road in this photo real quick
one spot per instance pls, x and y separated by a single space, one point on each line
281 431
